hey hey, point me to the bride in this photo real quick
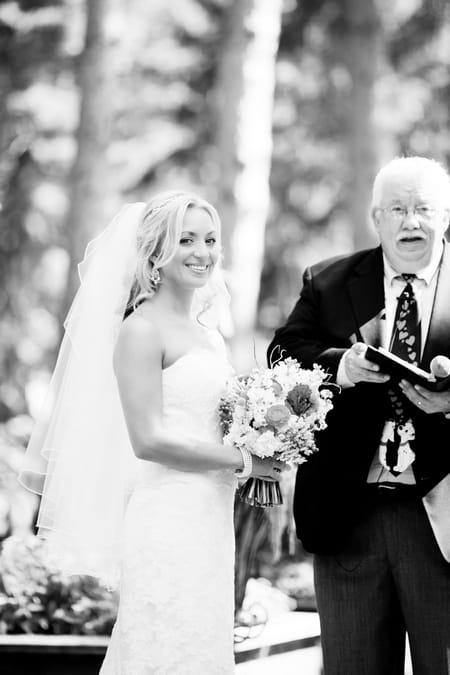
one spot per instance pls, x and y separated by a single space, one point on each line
137 487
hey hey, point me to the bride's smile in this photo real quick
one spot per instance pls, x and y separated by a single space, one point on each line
198 269
197 254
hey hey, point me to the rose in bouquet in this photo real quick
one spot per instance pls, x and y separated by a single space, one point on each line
275 412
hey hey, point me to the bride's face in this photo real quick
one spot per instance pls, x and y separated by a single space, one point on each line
198 251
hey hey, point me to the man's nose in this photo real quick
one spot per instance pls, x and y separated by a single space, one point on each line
411 220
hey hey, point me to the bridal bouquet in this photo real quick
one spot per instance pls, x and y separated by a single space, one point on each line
275 412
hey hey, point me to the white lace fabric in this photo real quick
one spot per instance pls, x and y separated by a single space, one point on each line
176 612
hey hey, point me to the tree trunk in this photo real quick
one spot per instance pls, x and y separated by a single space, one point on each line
89 177
361 48
245 91
6 41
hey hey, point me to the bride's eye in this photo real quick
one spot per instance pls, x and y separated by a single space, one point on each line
211 241
186 240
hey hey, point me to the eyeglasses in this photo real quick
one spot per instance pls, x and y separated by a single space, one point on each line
399 213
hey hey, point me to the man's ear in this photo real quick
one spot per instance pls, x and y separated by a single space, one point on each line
375 217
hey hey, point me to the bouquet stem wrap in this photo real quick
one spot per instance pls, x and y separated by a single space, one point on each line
259 492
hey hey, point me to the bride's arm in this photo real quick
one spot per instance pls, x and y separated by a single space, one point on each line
138 368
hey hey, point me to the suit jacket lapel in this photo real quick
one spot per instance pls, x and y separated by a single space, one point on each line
437 506
366 292
438 339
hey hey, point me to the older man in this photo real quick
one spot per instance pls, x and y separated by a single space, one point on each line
374 503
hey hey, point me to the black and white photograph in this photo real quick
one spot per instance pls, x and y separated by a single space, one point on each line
224 337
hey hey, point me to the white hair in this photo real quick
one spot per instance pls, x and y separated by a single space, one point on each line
414 167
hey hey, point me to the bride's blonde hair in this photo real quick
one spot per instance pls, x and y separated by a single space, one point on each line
158 238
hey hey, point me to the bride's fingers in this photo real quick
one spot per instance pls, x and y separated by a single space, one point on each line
268 469
277 470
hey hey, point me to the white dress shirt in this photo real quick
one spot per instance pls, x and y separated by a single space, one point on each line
424 288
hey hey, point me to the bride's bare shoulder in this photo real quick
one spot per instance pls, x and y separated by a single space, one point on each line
139 335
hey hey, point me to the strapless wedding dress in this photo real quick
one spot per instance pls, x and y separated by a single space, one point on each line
176 611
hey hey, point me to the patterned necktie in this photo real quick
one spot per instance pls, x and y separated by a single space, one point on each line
405 343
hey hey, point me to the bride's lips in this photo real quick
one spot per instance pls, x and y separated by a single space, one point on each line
199 270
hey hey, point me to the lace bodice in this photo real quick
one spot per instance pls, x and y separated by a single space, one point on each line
192 387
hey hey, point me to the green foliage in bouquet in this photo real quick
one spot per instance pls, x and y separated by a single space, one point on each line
34 598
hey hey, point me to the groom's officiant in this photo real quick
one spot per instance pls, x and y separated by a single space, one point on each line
373 504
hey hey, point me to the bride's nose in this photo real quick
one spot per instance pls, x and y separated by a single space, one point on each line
201 250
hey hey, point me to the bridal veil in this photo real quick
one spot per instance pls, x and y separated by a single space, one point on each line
79 457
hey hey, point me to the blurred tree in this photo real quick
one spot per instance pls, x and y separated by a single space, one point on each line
30 39
163 121
419 51
86 215
6 47
357 35
244 89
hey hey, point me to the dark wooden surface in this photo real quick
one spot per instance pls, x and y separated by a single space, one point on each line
82 655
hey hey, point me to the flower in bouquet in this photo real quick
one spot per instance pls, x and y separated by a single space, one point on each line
275 412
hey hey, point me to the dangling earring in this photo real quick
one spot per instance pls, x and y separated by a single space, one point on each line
155 278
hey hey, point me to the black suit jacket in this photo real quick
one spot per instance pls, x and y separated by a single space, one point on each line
342 302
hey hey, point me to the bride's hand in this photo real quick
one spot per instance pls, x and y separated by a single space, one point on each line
268 468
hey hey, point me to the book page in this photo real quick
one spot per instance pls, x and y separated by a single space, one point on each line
405 364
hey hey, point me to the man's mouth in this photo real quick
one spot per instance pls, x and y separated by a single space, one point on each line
410 240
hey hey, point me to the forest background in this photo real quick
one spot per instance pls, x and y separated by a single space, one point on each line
279 112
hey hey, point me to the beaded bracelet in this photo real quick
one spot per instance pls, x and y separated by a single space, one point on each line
248 464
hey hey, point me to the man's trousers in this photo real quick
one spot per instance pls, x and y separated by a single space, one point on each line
390 579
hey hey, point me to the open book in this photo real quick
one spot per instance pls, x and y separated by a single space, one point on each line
399 369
